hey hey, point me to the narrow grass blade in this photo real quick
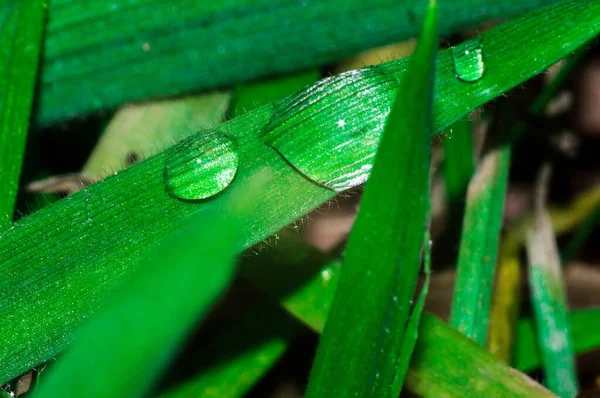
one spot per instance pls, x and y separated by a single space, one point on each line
105 228
135 335
585 332
95 50
361 349
480 237
458 160
548 298
21 27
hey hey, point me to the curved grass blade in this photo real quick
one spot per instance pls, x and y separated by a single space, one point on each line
480 237
94 50
361 350
136 334
50 288
21 27
548 298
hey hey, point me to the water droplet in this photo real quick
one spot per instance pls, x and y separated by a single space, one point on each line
468 61
343 159
200 166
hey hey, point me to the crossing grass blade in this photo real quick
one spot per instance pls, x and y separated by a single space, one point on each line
104 229
361 349
96 49
135 335
21 27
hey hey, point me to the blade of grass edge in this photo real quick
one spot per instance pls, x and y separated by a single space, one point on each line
380 266
21 29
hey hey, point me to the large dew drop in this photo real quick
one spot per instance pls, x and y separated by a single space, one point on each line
468 61
330 131
200 166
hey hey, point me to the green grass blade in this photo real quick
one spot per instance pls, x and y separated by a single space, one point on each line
95 50
458 160
145 322
585 332
548 299
361 349
480 238
21 27
104 229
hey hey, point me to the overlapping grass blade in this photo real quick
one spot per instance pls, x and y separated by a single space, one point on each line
548 298
480 237
104 229
21 27
361 349
135 335
95 50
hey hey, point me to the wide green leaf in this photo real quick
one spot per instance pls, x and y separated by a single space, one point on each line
96 49
49 289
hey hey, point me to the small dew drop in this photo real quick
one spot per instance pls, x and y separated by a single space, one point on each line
200 166
468 61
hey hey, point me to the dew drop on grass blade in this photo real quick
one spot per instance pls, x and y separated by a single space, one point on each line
201 167
468 60
363 350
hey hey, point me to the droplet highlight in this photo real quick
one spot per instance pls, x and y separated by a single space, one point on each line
468 59
201 166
